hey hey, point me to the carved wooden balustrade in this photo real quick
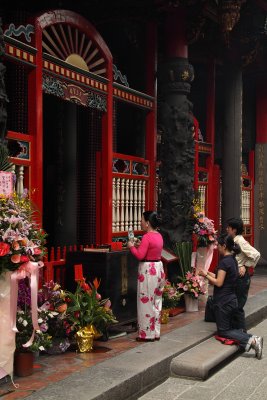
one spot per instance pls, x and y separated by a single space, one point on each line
130 192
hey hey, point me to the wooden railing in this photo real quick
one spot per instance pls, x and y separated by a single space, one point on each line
130 189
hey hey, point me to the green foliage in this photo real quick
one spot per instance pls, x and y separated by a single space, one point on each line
42 341
183 250
85 307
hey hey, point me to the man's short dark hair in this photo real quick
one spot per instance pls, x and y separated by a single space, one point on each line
236 223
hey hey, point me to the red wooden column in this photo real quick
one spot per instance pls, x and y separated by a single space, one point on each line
106 164
151 124
35 124
175 31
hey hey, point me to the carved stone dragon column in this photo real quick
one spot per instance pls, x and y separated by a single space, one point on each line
176 124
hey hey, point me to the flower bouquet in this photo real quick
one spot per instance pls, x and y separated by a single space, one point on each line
51 299
87 315
21 240
204 229
21 250
41 341
193 285
170 296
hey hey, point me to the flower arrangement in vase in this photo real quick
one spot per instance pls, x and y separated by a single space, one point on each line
204 229
21 239
87 315
192 285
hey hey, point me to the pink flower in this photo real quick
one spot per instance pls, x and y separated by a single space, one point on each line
144 299
37 251
152 270
107 304
141 278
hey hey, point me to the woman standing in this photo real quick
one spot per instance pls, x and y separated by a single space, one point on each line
225 300
151 278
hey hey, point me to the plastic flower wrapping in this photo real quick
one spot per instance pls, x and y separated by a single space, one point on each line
192 284
21 239
204 229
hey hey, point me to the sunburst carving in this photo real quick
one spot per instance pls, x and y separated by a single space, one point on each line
72 46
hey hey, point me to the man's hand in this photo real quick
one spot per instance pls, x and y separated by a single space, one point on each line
242 270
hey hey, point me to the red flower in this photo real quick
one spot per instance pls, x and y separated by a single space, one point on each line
4 249
144 299
141 278
24 258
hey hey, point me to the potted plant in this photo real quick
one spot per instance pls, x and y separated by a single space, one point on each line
52 298
23 359
170 300
87 315
192 286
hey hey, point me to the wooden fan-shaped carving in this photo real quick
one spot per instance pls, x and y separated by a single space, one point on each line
72 46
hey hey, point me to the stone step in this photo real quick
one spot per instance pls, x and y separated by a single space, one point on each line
199 361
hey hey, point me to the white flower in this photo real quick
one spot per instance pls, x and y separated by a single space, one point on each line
41 348
40 320
51 315
20 319
54 313
24 323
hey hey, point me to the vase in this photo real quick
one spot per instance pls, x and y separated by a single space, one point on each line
23 363
85 339
191 304
164 317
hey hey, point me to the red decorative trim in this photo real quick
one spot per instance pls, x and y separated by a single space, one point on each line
19 54
78 77
133 98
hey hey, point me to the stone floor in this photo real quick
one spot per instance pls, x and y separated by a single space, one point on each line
49 369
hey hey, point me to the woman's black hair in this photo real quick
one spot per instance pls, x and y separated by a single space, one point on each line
152 218
229 243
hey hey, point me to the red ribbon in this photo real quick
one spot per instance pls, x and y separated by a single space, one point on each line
31 270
